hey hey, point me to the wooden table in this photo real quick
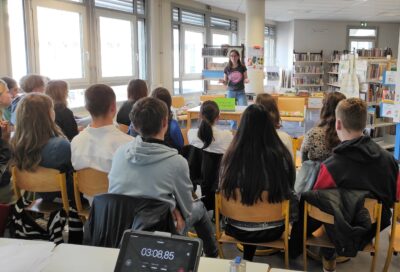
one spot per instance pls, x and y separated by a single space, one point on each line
68 257
224 115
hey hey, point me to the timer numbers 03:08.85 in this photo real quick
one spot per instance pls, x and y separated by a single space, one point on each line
158 253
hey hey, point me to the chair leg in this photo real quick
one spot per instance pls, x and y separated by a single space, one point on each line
220 252
287 258
373 264
388 259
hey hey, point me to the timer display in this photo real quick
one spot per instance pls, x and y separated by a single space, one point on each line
158 253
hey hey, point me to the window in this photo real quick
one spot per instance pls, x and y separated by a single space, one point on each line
82 42
269 49
362 37
191 30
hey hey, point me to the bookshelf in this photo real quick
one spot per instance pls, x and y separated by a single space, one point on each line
308 72
377 89
333 70
215 60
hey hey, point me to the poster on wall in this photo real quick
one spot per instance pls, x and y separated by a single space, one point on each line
255 58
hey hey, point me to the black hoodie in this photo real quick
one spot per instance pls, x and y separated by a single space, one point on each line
361 164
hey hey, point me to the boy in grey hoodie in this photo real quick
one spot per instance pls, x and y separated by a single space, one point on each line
147 167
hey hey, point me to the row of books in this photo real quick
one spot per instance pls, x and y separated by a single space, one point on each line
307 80
307 56
374 52
375 71
309 69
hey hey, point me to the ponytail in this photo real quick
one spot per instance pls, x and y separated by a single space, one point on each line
209 112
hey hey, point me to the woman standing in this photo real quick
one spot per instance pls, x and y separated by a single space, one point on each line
235 75
256 161
58 91
320 140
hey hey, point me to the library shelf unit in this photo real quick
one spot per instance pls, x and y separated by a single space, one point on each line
216 58
375 91
308 72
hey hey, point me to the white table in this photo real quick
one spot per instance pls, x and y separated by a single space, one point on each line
67 257
223 115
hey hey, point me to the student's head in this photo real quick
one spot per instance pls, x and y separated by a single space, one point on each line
137 89
35 126
234 57
269 103
100 101
351 118
12 86
32 83
328 118
149 117
5 97
257 157
164 95
209 113
58 91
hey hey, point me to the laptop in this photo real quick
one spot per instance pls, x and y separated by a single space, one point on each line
143 251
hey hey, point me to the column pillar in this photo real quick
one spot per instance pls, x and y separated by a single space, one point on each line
255 23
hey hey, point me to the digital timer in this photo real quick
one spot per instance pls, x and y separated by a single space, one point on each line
158 253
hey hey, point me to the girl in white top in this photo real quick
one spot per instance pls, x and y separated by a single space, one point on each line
268 102
207 136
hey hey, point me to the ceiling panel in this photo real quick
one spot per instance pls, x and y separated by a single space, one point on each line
352 10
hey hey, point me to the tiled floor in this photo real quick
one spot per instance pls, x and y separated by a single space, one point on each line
358 264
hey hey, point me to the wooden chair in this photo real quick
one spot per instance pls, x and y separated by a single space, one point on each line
394 240
291 105
123 128
296 143
89 182
178 102
184 132
43 180
320 238
210 97
262 211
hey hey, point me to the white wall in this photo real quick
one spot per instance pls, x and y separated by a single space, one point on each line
314 35
5 68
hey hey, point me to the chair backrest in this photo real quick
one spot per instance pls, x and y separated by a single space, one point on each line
291 104
91 182
210 97
370 204
112 214
178 101
123 128
185 136
262 211
42 180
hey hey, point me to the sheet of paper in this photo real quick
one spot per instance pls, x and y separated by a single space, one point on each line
22 256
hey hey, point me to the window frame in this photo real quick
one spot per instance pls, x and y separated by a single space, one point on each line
373 39
116 80
34 63
182 55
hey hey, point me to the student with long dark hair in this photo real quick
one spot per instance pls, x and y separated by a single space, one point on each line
256 161
320 140
208 137
271 107
137 89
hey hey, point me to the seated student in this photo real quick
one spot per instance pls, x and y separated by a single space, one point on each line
214 142
38 141
319 141
357 163
13 90
6 192
147 167
270 105
58 91
95 146
29 83
208 137
256 161
137 89
173 136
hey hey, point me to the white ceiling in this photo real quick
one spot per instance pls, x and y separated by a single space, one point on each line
343 10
